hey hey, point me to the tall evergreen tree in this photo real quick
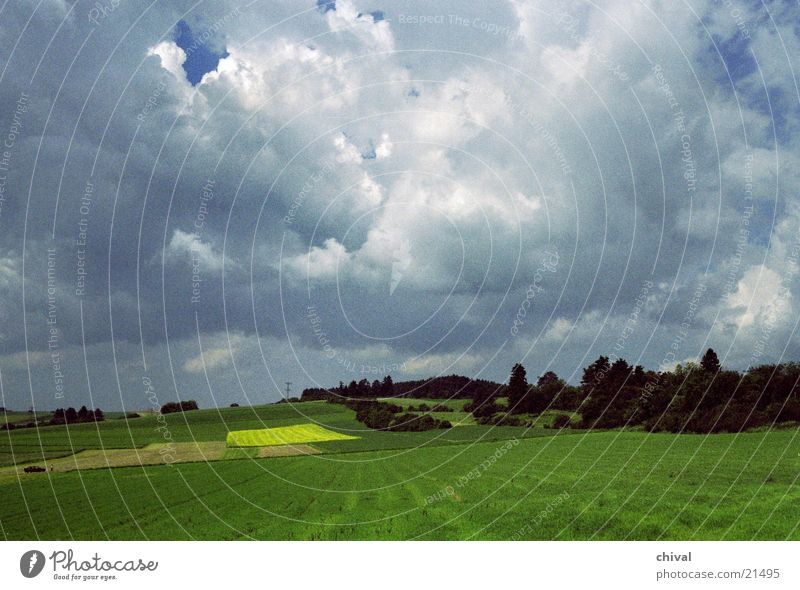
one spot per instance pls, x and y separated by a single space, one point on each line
710 362
388 386
596 388
517 389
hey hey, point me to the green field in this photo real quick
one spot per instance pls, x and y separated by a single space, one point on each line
12 417
455 404
17 417
469 482
458 417
283 435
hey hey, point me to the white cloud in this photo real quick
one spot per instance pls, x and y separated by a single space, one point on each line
348 153
21 360
189 247
321 262
9 271
445 363
384 148
559 329
218 351
672 365
172 58
213 358
346 18
759 292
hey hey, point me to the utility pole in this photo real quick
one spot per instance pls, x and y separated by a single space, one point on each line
288 388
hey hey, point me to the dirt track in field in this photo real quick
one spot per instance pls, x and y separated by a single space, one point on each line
157 454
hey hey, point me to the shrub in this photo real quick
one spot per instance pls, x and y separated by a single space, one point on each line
414 423
482 410
441 408
561 421
790 411
500 420
733 419
376 418
34 469
184 406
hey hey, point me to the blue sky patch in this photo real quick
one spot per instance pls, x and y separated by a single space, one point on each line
200 58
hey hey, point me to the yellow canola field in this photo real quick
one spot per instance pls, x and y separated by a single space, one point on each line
283 435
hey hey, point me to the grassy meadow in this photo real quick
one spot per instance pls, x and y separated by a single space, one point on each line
124 479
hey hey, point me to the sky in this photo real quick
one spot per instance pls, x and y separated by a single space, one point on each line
206 200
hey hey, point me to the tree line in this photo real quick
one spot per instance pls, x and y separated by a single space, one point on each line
445 387
701 397
697 397
61 416
72 416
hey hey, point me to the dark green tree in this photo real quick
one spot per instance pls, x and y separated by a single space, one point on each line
596 389
388 386
517 390
548 388
710 362
595 373
547 378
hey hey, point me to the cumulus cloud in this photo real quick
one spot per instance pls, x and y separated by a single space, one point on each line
172 57
190 248
439 364
322 261
9 271
758 291
346 18
347 151
22 360
559 329
213 358
384 148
